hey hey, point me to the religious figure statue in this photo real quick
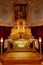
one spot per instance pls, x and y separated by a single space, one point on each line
20 31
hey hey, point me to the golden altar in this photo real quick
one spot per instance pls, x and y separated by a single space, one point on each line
21 35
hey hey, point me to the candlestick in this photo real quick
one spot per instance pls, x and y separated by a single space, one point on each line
40 40
40 48
1 45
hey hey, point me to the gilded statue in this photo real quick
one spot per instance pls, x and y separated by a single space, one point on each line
20 31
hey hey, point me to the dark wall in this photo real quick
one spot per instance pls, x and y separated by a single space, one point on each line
5 32
37 31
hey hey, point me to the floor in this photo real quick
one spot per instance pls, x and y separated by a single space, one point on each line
21 58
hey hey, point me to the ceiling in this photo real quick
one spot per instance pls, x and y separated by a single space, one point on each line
23 1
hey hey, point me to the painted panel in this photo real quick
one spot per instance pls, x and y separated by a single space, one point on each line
6 14
4 11
37 13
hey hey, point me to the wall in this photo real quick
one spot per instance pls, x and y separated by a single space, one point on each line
37 31
4 32
6 13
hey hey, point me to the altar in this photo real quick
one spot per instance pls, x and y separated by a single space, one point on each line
21 44
21 38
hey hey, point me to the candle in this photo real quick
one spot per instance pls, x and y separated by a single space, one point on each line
40 40
2 40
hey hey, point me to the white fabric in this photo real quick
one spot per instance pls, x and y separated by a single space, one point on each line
36 44
5 44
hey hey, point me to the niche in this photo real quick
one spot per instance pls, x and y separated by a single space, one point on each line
20 11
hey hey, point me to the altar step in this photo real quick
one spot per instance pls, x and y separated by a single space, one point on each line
22 50
21 58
